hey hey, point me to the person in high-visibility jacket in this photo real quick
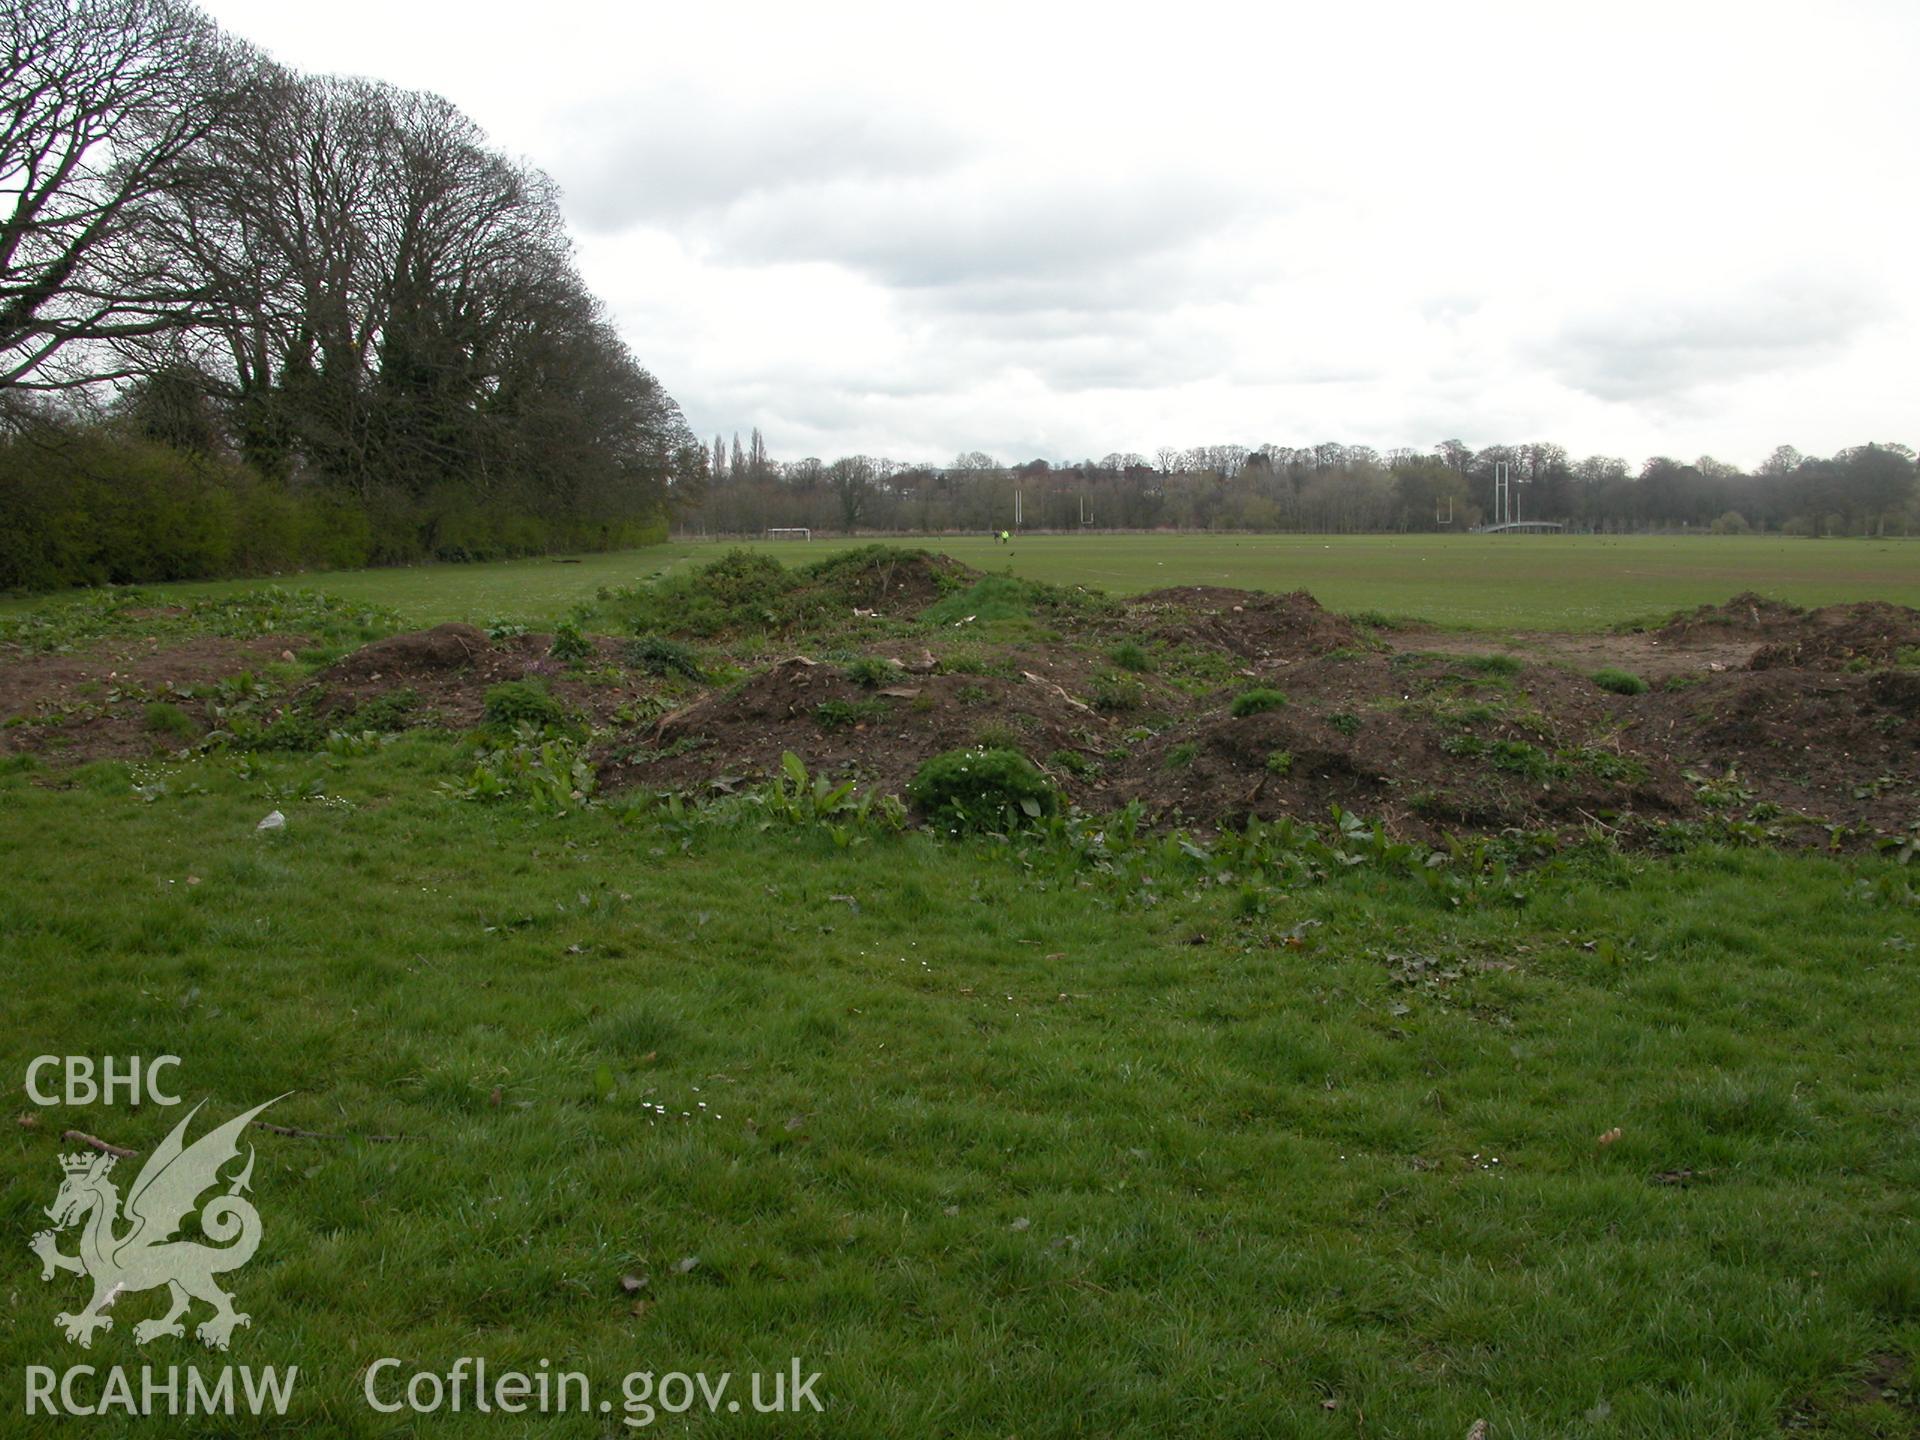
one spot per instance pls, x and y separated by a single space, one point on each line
1006 538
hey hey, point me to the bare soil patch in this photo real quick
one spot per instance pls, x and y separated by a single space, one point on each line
92 704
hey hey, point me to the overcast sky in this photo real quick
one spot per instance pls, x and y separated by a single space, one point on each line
1059 231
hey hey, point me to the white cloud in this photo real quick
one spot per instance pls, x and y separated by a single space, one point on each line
1039 229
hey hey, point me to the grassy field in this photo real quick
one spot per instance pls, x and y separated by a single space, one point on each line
1076 1135
996 1143
1473 581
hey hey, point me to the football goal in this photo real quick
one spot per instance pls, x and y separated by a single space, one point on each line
790 534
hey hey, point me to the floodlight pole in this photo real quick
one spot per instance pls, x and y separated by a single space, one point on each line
1500 490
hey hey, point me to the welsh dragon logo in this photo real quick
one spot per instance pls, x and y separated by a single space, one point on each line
135 1249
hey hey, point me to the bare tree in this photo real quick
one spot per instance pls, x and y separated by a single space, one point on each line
99 101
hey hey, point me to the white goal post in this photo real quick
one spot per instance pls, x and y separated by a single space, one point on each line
790 533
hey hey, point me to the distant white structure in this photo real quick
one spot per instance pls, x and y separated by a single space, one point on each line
792 532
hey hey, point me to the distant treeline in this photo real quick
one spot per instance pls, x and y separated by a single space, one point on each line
252 319
1868 489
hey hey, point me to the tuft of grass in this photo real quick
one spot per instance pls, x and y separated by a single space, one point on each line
1257 701
390 711
1492 664
1131 655
1117 694
658 655
833 714
1620 682
872 672
166 718
1280 762
1182 755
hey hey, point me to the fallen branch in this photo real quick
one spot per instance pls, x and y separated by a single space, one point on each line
294 1134
94 1142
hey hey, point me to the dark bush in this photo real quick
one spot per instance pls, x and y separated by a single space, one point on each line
982 790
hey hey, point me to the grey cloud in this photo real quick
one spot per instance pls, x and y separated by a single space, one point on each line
1664 348
962 231
668 157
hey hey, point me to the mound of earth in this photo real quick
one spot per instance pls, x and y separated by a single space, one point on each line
1836 637
1839 747
1419 746
1747 613
422 653
1250 624
890 581
837 726
1427 743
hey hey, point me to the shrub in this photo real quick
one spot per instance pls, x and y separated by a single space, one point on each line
1620 682
982 790
524 702
1256 701
1130 655
568 643
658 655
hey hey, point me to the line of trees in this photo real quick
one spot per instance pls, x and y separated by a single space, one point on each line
252 319
1868 489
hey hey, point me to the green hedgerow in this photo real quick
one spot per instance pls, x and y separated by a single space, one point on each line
1256 701
982 789
1620 682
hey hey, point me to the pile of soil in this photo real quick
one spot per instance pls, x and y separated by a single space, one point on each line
883 735
1746 614
1433 738
899 584
1256 627
1839 747
1839 637
1342 740
437 651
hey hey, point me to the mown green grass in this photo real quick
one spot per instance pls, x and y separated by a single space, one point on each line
1497 582
1276 1178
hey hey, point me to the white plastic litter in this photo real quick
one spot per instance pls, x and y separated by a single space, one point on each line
274 821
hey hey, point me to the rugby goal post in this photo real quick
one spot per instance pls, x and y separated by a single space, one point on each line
796 532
